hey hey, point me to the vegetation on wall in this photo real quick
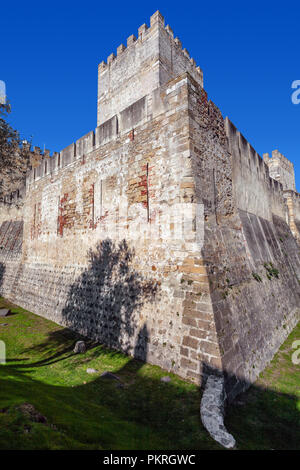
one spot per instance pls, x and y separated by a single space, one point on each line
14 156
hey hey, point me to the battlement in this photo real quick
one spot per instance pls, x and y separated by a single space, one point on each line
147 62
45 165
127 121
281 169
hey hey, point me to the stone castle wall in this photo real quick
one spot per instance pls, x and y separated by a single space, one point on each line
132 293
252 257
254 190
160 233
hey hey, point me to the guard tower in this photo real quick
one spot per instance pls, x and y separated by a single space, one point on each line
281 169
145 64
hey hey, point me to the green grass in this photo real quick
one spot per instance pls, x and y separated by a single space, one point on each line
86 411
267 416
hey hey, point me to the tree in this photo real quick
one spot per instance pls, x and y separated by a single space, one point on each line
14 157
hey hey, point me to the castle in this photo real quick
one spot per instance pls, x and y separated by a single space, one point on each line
162 233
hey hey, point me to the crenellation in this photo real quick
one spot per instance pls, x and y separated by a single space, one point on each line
151 61
266 157
67 155
46 166
262 195
38 172
178 43
199 71
142 31
186 53
281 169
131 40
169 31
106 132
53 162
157 19
111 58
120 49
85 144
102 66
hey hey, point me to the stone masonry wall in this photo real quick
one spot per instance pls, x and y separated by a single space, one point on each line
160 234
11 237
293 208
82 264
255 268
250 255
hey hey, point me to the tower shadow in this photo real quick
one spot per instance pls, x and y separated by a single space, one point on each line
105 301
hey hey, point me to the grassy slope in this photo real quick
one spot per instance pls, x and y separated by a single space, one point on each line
267 416
88 412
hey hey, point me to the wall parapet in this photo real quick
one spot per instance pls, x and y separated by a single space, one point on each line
254 188
132 116
255 161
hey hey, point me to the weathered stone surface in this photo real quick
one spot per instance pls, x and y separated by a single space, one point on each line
4 312
90 370
145 65
165 379
79 347
161 234
212 411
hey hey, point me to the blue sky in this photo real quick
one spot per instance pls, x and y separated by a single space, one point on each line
248 51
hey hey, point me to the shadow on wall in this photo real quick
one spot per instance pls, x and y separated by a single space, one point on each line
104 302
2 271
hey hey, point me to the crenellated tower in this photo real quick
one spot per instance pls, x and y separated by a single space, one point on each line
148 61
281 169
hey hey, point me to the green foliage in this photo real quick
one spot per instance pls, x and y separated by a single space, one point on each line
14 159
267 416
257 277
9 137
271 271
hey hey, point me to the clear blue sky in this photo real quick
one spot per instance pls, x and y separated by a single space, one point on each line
249 53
